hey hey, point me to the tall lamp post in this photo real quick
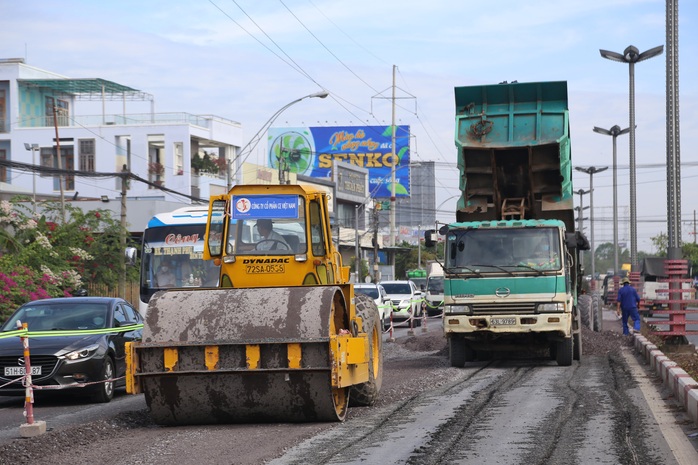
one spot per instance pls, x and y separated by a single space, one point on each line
33 148
632 55
615 131
591 171
249 147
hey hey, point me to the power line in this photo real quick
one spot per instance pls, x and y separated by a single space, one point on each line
125 176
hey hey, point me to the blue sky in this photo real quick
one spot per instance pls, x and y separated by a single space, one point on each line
244 59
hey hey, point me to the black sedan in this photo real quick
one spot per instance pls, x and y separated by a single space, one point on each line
74 343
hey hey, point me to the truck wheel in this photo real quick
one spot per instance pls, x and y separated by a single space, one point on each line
584 309
577 345
366 394
598 313
459 351
563 353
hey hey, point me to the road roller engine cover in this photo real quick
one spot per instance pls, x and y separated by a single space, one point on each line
283 338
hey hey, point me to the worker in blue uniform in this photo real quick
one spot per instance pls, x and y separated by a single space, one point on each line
627 302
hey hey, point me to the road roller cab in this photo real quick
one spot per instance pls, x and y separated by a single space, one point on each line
266 236
283 337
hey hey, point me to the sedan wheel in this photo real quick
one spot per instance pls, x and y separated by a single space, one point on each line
105 390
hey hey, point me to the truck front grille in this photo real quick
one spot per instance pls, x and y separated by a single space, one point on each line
504 308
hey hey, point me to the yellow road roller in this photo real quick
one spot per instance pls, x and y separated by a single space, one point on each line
281 338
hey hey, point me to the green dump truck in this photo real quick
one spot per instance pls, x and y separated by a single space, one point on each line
511 266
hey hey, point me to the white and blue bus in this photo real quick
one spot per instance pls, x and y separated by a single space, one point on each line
172 253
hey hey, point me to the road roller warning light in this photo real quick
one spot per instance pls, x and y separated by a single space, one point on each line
281 338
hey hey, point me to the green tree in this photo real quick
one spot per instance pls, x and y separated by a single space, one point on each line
661 244
56 258
405 260
604 258
364 267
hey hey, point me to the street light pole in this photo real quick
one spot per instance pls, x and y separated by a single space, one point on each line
632 55
615 131
33 148
591 171
357 247
250 146
392 170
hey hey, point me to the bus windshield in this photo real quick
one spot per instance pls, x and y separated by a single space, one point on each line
173 257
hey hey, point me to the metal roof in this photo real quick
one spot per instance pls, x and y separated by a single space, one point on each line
88 89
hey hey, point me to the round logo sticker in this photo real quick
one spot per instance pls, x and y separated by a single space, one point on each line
242 205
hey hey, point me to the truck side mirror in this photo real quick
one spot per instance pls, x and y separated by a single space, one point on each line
131 254
429 238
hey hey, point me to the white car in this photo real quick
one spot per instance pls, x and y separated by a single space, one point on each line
406 299
380 297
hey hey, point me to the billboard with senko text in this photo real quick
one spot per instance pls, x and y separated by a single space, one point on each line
311 151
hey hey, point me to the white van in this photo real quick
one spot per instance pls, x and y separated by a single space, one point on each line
435 289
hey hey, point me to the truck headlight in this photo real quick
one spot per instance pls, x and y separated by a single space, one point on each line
551 307
458 309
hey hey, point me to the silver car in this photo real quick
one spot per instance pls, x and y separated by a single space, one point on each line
406 300
380 297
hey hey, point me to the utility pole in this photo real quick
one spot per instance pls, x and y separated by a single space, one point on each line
376 278
419 247
60 164
122 239
392 171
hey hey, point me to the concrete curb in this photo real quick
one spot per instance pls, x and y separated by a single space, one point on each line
680 383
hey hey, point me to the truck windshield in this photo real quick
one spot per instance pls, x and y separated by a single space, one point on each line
494 250
435 284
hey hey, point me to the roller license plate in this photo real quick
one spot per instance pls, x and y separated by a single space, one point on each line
268 268
502 321
21 371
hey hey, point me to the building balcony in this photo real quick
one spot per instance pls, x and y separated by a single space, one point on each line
203 121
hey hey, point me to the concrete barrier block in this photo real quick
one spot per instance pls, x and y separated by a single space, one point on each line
655 356
672 380
692 405
686 384
647 349
35 429
664 369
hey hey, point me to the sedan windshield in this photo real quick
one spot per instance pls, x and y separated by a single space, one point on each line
397 288
372 292
59 316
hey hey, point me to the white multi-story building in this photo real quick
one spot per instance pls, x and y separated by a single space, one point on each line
101 126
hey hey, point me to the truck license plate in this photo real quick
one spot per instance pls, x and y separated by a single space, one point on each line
503 321
264 269
20 371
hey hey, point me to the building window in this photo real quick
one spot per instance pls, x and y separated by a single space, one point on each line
86 149
3 169
3 111
61 111
179 158
50 160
